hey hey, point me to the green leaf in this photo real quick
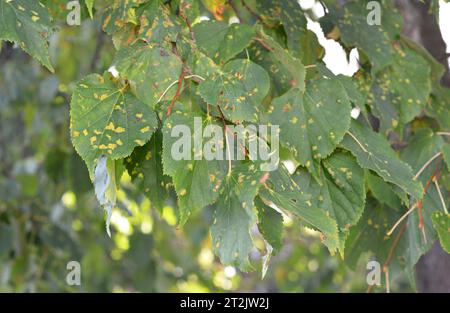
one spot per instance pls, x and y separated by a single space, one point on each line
342 195
29 24
121 13
446 152
383 191
401 91
107 120
374 40
370 234
145 168
157 25
313 124
270 224
439 107
441 223
287 70
374 152
234 216
197 182
221 41
283 191
151 69
238 88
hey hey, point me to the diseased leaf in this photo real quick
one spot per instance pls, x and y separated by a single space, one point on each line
106 119
446 152
342 195
284 192
270 225
151 69
234 216
145 168
313 124
238 88
157 25
221 41
374 152
197 181
441 223
400 92
29 24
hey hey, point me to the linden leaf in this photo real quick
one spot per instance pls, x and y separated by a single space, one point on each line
284 192
221 41
441 223
238 88
29 24
313 124
374 152
151 70
196 180
107 120
234 216
145 168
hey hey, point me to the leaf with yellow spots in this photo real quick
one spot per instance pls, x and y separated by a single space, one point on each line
221 41
120 13
441 222
239 88
197 181
312 124
104 120
342 195
374 152
401 91
370 234
285 192
28 23
291 16
373 40
157 25
145 168
151 69
234 215
285 70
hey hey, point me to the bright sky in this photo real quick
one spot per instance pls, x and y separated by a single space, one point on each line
335 57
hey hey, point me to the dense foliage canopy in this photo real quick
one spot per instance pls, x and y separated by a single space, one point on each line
349 181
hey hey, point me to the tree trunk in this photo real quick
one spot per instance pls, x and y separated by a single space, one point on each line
433 269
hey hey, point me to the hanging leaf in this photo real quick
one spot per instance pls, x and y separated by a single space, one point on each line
374 152
222 42
441 223
29 24
234 216
313 124
151 70
106 119
238 88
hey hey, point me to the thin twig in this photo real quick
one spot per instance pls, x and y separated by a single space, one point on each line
176 82
226 140
440 195
177 94
401 219
391 251
434 157
443 133
264 44
388 283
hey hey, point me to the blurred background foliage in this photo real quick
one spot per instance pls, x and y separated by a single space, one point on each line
49 214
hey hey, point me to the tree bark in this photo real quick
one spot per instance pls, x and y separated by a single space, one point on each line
433 269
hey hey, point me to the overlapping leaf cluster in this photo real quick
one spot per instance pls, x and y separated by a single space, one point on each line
353 178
